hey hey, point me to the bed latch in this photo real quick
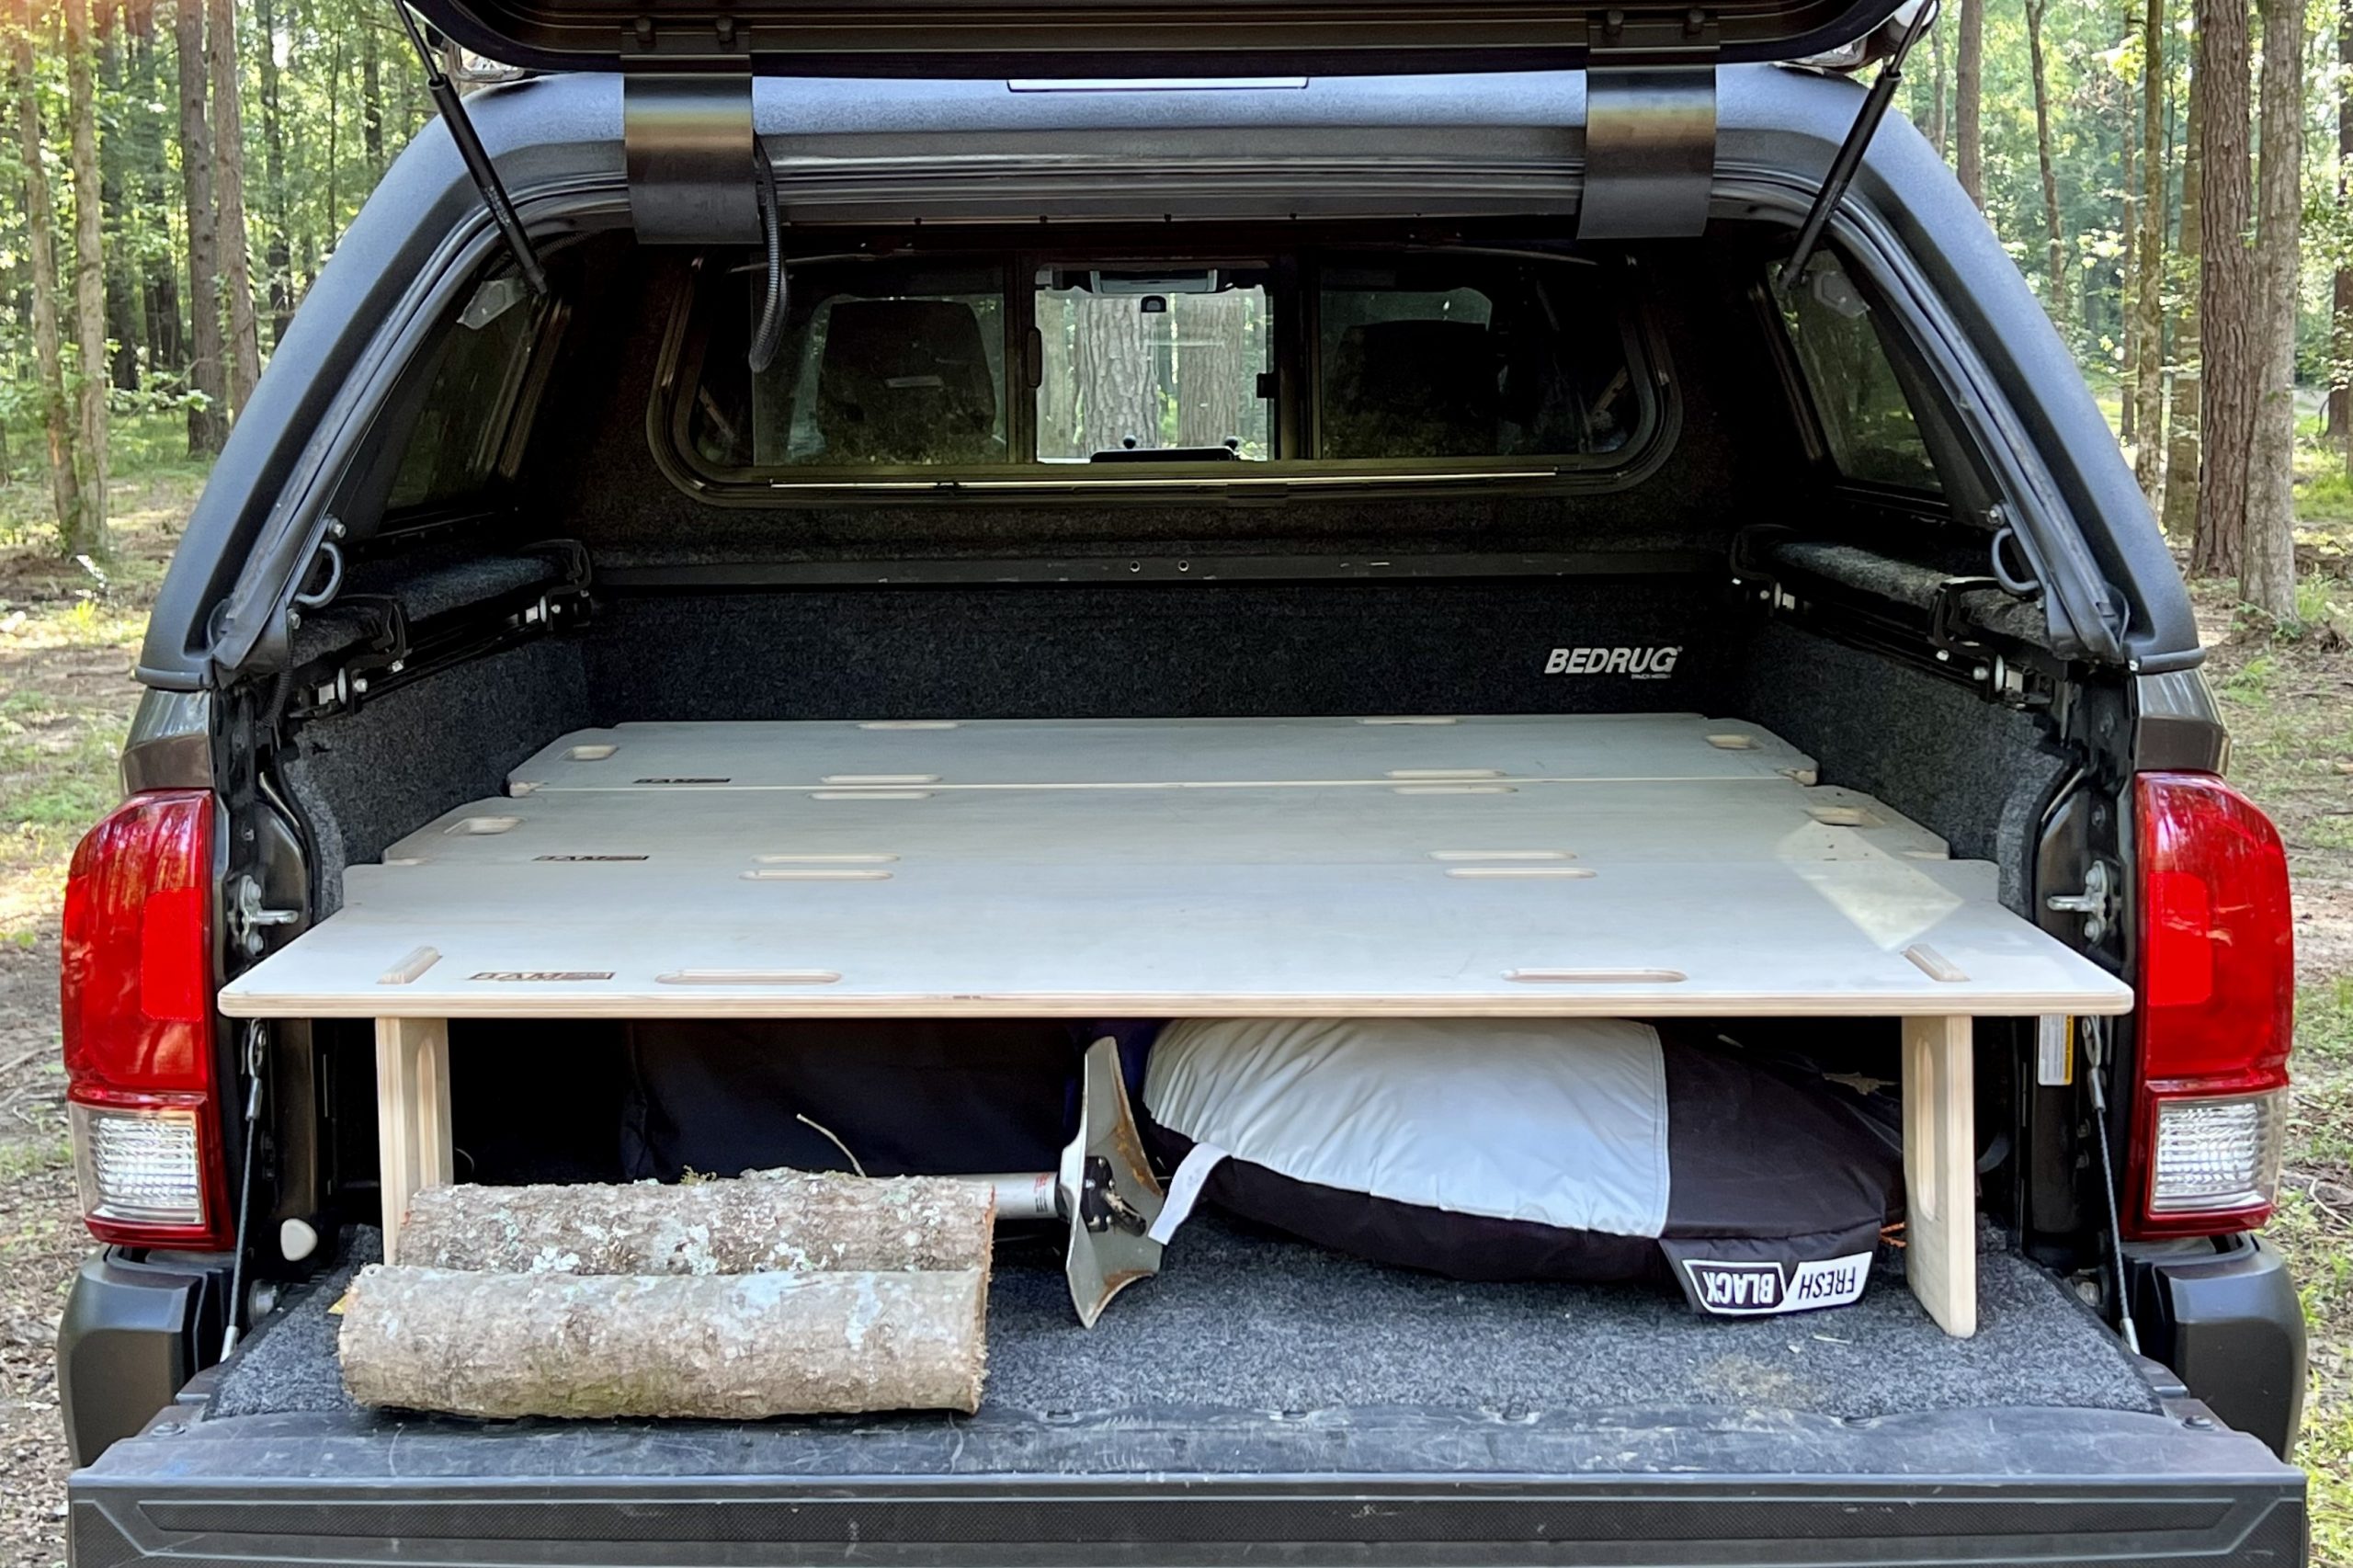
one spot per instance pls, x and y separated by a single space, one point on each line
2096 903
1650 127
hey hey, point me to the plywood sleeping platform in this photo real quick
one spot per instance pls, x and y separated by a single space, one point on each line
1650 865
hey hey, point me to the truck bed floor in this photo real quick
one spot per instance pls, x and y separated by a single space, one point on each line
1243 1321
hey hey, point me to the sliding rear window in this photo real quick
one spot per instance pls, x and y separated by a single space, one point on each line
1470 357
1057 370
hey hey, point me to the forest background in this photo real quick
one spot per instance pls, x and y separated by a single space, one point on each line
2171 176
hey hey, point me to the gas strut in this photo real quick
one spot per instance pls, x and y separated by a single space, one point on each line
477 159
1851 151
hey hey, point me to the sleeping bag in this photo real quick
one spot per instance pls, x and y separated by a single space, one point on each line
1544 1149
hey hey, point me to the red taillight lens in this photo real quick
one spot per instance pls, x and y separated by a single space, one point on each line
137 994
2218 975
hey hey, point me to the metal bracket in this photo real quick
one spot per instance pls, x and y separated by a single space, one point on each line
688 146
1106 1191
1650 128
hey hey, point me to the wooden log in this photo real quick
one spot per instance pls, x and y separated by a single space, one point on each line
731 1347
794 1221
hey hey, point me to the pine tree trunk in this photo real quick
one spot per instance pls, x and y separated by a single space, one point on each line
2228 308
2340 392
122 278
1119 394
1939 120
2183 440
2148 299
2267 565
1211 374
334 133
206 375
280 255
228 196
2128 401
720 1347
144 127
48 342
1968 90
89 535
2058 297
371 98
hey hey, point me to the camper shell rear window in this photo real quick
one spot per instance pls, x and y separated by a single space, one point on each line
1064 370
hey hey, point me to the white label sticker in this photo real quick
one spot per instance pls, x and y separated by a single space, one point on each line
1751 1290
2054 1051
1184 1191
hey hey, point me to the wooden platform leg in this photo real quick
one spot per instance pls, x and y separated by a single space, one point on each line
1940 1170
412 1115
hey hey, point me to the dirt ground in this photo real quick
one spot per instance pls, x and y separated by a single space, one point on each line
67 641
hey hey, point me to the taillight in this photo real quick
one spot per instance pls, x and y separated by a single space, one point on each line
2217 1008
137 994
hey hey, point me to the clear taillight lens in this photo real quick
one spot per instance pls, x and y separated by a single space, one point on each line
2217 1155
140 1167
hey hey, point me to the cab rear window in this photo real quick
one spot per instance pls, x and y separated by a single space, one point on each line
1062 369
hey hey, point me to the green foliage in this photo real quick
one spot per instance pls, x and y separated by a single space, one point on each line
311 160
2094 59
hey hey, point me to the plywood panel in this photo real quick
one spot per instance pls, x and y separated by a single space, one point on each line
1441 750
1717 820
1733 891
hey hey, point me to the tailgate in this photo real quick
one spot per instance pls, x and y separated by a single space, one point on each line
1361 1488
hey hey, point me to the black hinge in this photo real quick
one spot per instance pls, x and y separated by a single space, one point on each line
1650 126
690 154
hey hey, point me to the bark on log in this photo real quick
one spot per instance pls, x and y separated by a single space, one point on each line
797 1220
738 1348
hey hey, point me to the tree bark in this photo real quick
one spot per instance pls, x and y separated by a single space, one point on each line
2228 311
1969 89
371 98
89 536
721 1347
2059 296
2128 401
1939 87
2148 296
166 335
206 375
792 1219
48 343
228 196
1119 391
2340 389
2183 440
1210 372
2267 565
124 326
279 253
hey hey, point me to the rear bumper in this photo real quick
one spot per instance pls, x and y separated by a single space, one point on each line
2225 1315
136 1328
1367 1491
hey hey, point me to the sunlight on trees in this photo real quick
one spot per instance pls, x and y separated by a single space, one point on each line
173 181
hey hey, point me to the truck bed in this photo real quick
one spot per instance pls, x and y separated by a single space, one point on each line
1262 1400
1257 1326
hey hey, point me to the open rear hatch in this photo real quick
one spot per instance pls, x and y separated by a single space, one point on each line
1064 37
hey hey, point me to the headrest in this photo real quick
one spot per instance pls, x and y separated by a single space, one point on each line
1412 389
905 381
